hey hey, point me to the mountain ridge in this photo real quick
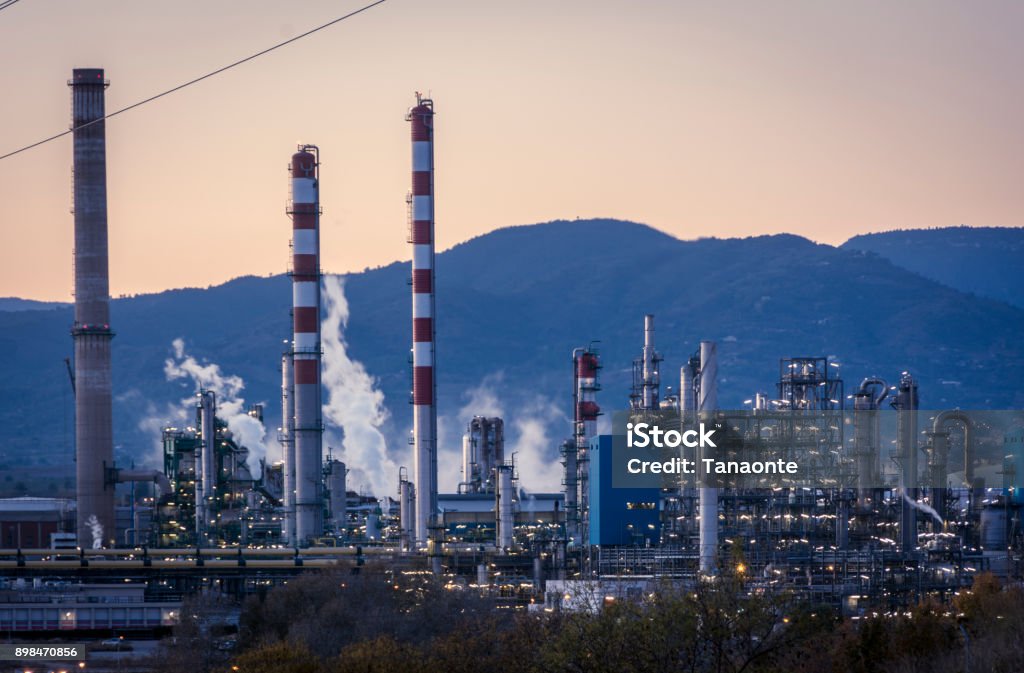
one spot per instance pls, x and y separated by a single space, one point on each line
511 306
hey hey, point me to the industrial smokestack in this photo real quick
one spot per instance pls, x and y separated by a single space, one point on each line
306 352
91 332
707 404
424 384
287 440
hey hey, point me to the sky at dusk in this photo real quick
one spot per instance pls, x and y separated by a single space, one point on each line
823 119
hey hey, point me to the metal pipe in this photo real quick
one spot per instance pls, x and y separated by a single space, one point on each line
939 459
938 429
155 476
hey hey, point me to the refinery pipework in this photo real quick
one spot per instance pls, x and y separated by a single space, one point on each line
424 384
91 332
306 347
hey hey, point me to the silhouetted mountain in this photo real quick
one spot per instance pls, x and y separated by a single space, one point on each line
517 301
987 261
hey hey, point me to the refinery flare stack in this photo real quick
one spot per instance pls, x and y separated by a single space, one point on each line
424 384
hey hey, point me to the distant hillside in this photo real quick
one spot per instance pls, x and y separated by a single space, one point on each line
987 261
16 304
516 301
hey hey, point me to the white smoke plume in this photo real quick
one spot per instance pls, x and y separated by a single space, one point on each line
231 408
96 528
354 404
923 507
533 430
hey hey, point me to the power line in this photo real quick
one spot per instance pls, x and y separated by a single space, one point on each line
7 3
190 82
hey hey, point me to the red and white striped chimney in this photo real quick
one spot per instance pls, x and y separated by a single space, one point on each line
424 386
308 428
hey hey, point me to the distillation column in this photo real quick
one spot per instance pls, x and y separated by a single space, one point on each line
337 489
585 366
406 512
91 332
287 440
205 470
424 384
306 348
505 506
906 404
651 383
707 404
866 403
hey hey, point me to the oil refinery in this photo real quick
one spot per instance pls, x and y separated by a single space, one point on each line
904 506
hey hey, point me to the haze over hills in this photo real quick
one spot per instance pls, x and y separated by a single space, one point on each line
988 261
511 306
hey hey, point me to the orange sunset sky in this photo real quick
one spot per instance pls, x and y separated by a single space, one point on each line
824 119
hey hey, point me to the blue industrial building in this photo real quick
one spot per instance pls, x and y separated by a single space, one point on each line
619 516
